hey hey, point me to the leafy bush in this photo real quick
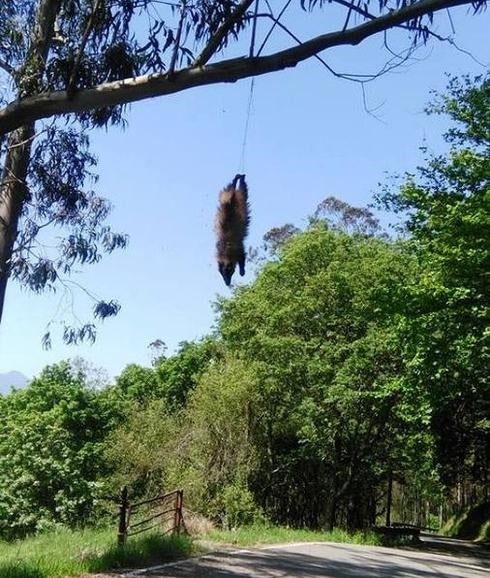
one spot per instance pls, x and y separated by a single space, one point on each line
51 452
215 454
239 506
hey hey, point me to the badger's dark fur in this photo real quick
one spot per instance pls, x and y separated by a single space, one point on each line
232 222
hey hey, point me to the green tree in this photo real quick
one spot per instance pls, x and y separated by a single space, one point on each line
179 374
204 446
90 58
445 208
332 412
151 399
51 452
215 453
137 452
171 379
138 384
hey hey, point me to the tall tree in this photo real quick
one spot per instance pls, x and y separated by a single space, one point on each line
89 58
179 373
445 208
331 414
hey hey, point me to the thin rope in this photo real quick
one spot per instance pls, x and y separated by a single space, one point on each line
247 123
251 93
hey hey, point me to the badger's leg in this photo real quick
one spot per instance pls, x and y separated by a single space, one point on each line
239 183
241 265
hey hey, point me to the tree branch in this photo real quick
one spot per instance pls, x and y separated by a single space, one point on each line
276 20
149 86
221 33
4 65
173 61
88 29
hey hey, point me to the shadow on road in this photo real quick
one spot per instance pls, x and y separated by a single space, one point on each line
452 547
280 563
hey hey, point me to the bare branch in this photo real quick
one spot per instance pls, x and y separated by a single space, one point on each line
278 23
254 30
73 77
29 140
4 65
221 33
173 61
148 86
367 108
450 18
347 18
276 20
353 8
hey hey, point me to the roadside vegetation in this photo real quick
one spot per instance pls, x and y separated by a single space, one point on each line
64 553
470 524
71 553
260 534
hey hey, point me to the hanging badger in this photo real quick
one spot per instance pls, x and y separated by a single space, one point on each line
232 220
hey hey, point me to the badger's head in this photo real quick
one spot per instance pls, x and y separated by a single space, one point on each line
227 268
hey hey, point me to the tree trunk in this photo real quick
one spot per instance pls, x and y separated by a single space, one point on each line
332 515
13 193
13 187
389 498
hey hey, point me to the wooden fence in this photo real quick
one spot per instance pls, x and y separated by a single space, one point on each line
164 511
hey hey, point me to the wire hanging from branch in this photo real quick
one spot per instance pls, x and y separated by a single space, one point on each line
251 91
247 123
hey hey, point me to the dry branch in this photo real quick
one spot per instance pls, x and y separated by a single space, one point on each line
149 86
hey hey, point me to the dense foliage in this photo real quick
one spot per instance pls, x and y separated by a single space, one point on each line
51 452
317 326
352 363
445 324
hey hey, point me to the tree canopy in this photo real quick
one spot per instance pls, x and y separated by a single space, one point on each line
51 450
445 208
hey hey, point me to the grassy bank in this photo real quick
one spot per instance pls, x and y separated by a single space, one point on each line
264 534
69 553
471 524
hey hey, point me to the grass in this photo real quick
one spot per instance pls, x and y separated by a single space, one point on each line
484 533
470 524
71 553
267 534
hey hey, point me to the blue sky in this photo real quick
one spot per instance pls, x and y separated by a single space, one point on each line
309 137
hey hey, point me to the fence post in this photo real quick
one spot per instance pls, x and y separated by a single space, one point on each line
123 516
178 511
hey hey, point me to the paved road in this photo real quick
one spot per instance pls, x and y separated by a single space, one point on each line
323 560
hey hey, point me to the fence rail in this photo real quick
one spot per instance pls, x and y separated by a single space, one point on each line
167 508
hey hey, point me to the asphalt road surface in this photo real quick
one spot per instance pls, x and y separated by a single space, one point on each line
325 560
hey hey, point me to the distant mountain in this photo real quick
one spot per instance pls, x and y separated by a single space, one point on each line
12 379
